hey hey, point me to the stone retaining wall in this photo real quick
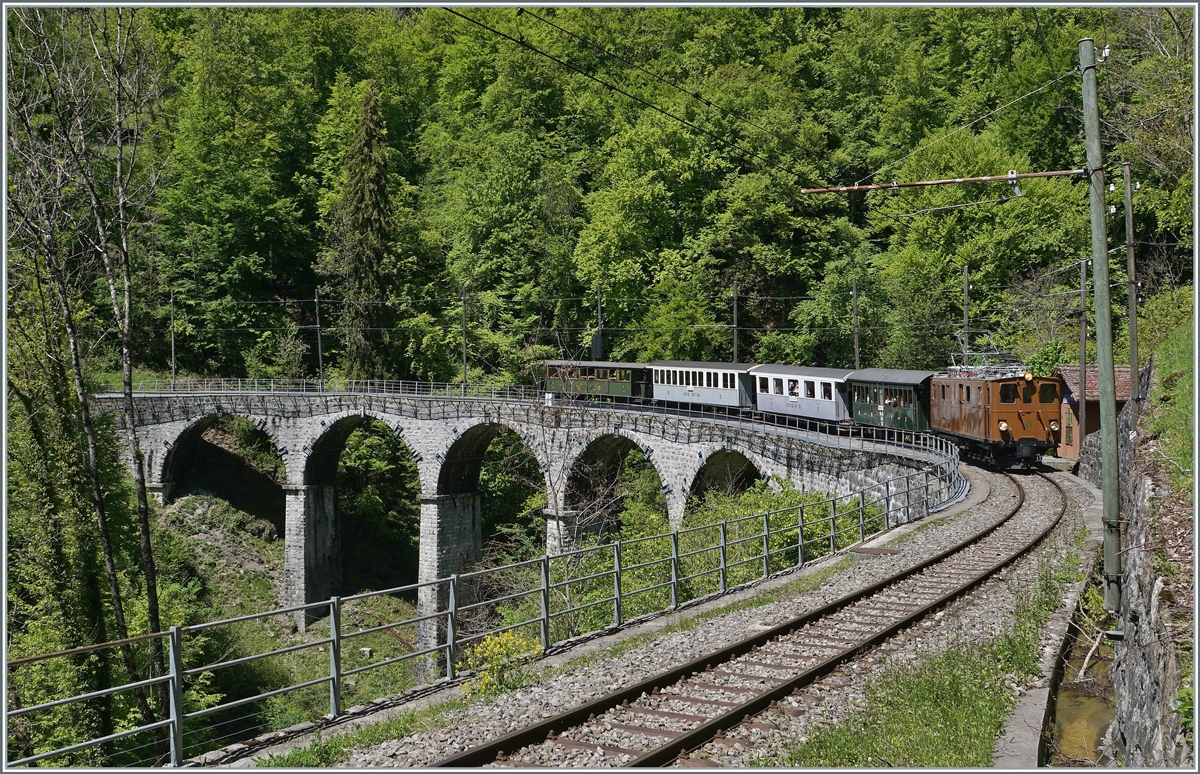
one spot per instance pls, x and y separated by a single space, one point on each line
1145 671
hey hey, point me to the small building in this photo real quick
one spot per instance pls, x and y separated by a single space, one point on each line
1070 443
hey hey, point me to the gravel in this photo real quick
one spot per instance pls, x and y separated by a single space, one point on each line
980 615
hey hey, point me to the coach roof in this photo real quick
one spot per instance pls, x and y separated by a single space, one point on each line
816 373
890 376
687 365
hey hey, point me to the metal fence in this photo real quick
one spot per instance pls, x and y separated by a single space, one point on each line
544 602
707 419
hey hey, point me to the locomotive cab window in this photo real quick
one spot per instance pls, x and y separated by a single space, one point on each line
1047 393
826 391
1008 393
1027 393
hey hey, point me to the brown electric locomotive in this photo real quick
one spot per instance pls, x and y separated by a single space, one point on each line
997 411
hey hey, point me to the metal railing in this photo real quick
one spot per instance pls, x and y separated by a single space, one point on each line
548 601
461 400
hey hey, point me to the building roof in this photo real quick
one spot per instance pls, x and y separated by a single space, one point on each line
816 373
890 376
1070 376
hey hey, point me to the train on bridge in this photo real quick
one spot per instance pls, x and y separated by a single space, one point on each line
994 412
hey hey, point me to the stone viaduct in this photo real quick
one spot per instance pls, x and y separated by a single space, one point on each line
448 437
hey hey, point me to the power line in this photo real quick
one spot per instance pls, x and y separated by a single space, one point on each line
690 94
1043 87
525 44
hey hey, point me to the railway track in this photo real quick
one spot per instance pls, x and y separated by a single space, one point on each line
661 720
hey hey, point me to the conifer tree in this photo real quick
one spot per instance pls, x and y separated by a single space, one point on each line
360 245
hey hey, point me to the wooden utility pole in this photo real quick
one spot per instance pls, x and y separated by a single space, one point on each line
735 324
464 341
1104 346
1083 264
854 301
966 314
172 339
1130 269
320 352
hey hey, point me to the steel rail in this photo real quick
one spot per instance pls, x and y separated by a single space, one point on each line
676 747
538 732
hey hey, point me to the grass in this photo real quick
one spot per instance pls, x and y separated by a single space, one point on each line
1171 405
948 709
804 585
336 749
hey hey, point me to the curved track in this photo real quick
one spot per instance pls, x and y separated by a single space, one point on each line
675 712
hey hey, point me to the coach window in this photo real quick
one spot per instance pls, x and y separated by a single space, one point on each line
1047 393
602 373
826 391
1008 393
810 389
793 388
777 386
764 385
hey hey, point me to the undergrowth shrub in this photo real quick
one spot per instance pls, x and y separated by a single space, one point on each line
500 663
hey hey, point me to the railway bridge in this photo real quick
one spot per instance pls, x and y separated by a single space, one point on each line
448 429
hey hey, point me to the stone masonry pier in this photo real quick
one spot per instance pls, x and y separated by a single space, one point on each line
448 438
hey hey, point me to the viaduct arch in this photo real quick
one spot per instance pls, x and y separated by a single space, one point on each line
448 438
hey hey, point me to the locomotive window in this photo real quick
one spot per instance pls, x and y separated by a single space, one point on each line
777 386
763 383
810 389
826 391
968 393
1027 393
793 388
1047 393
1008 393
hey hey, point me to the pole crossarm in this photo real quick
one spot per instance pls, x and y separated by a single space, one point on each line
947 181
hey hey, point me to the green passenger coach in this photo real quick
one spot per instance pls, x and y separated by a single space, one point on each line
599 378
889 397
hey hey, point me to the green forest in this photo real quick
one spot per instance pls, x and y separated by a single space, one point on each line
343 193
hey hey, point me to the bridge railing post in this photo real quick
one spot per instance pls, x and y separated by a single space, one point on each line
616 583
451 625
862 524
674 569
545 568
800 532
766 544
724 546
833 524
887 504
335 656
175 656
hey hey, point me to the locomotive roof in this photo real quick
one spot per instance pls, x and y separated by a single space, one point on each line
787 370
591 364
739 367
890 376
